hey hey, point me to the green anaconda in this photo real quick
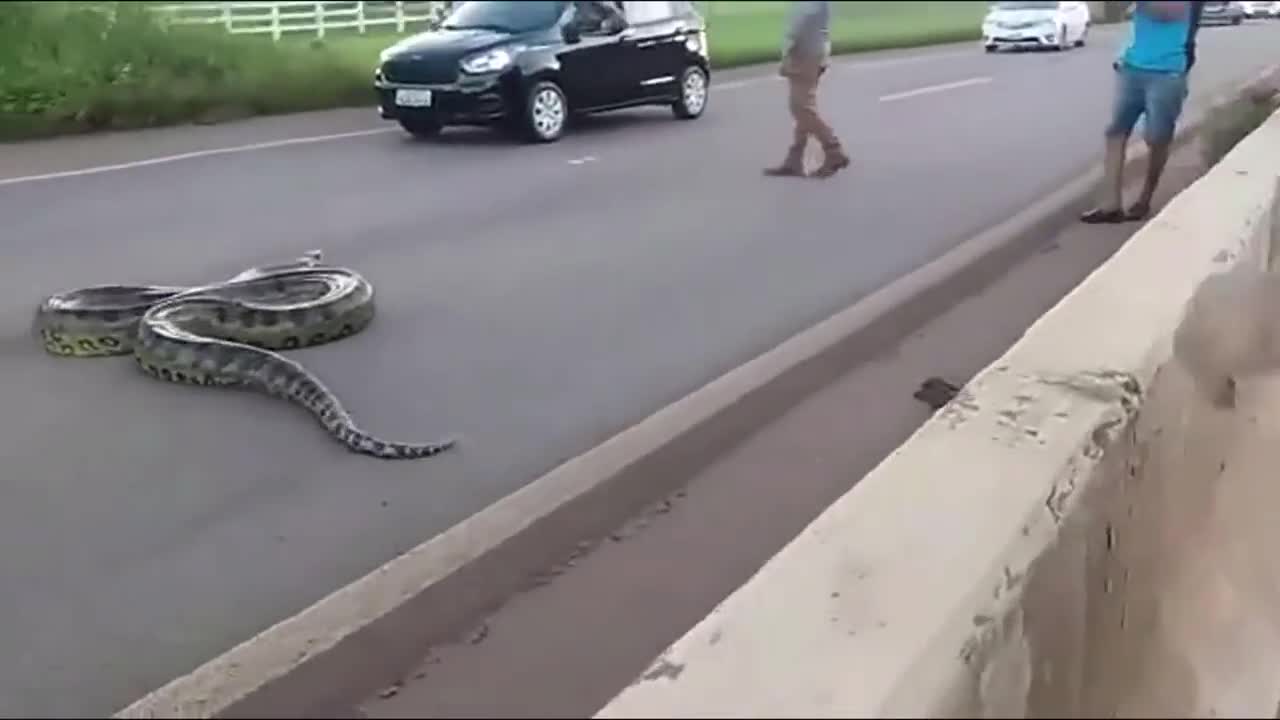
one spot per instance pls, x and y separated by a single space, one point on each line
226 335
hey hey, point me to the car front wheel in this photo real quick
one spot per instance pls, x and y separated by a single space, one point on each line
546 112
692 99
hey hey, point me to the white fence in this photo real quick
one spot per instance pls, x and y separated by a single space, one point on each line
318 18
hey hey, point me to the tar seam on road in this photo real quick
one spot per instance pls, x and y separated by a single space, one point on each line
271 144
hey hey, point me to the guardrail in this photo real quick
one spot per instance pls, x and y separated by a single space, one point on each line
288 17
1078 534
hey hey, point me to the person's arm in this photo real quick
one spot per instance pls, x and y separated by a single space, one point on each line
1197 8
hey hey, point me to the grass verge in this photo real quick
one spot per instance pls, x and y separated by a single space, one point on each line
69 67
72 67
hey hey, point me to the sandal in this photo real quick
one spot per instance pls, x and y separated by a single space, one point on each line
1098 216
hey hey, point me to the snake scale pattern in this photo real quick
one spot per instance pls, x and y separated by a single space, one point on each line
227 334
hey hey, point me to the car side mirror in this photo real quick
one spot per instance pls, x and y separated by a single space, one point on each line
571 33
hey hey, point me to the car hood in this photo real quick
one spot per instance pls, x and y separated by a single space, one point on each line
1022 17
446 44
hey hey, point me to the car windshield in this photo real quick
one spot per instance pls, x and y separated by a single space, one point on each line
1026 5
509 17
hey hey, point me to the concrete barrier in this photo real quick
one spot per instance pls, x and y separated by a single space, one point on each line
1077 534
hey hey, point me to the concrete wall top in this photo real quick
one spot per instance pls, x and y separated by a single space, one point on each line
876 608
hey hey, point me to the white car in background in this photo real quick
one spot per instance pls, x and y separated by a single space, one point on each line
1040 25
1261 9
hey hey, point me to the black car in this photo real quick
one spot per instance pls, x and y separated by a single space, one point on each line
530 65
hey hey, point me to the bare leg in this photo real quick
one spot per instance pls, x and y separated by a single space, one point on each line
1109 209
1113 173
1156 161
1128 106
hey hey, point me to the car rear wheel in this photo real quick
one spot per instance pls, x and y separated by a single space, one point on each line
546 112
693 93
420 125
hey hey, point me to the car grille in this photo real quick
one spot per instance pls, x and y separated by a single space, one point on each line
419 73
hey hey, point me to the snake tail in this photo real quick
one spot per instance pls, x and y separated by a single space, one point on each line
289 380
213 362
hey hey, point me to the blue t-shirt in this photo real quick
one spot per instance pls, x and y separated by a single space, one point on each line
1161 45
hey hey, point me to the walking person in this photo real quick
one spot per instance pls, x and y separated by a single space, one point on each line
806 53
1151 82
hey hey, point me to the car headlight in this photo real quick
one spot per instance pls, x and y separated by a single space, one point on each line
697 43
489 61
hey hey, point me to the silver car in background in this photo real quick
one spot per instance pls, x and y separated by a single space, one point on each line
1039 25
1260 10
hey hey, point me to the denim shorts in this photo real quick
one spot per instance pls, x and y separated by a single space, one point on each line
1156 97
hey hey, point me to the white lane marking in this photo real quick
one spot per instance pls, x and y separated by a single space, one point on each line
583 160
194 154
934 89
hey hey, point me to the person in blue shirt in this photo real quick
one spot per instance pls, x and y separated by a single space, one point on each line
1151 82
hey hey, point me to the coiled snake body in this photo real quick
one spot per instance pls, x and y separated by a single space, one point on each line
226 335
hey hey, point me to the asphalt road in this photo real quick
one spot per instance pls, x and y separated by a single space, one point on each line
534 300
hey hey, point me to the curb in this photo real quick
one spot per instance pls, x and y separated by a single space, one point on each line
364 635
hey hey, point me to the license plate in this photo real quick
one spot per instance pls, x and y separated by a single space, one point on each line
413 98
